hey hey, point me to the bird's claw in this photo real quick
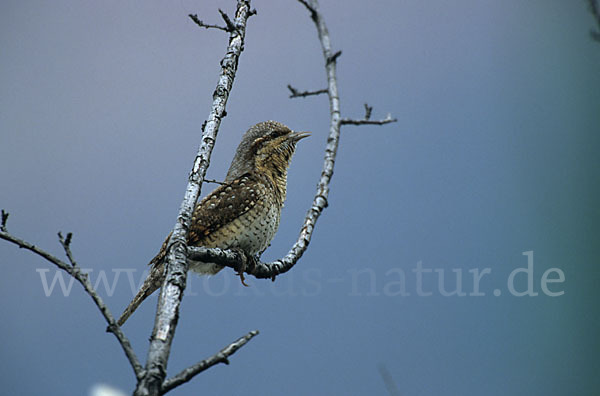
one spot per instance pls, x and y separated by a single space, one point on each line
242 267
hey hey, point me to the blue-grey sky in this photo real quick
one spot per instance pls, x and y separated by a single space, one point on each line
495 154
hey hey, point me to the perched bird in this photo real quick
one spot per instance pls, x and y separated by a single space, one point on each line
244 212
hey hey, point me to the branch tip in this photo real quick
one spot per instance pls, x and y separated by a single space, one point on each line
230 26
367 118
333 58
220 357
368 110
350 121
197 21
214 181
297 94
311 9
4 220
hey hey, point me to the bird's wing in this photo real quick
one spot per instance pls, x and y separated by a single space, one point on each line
224 205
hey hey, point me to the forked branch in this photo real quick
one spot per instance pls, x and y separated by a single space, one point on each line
75 271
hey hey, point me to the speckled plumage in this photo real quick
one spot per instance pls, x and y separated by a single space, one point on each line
243 213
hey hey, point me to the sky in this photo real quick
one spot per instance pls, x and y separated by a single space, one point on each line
459 251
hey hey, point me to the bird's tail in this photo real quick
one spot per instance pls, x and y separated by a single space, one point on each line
151 284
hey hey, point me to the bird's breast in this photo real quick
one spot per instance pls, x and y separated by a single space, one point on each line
252 232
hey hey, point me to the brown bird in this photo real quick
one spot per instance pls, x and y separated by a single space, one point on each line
244 212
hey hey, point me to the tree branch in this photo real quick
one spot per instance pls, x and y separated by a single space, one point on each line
297 94
194 17
176 268
365 121
75 271
219 357
367 118
230 26
214 181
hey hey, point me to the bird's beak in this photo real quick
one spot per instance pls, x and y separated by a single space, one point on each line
295 136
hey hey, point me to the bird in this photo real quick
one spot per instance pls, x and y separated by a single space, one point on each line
244 212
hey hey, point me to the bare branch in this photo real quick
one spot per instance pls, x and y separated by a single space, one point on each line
176 266
366 121
194 17
4 220
219 357
230 26
66 244
310 7
298 94
83 279
333 58
213 181
368 111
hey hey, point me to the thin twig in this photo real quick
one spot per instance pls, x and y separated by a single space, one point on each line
219 357
66 244
4 220
333 58
176 268
83 279
214 181
368 111
297 94
230 26
194 17
366 121
310 8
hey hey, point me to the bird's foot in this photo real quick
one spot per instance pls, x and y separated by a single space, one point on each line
243 266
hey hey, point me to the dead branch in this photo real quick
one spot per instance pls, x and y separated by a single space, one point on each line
219 357
75 271
176 267
297 94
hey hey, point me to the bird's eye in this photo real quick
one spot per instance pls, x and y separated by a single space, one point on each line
277 132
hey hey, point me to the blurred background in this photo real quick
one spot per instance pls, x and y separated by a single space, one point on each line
413 269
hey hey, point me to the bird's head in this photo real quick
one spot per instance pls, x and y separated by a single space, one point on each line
267 147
